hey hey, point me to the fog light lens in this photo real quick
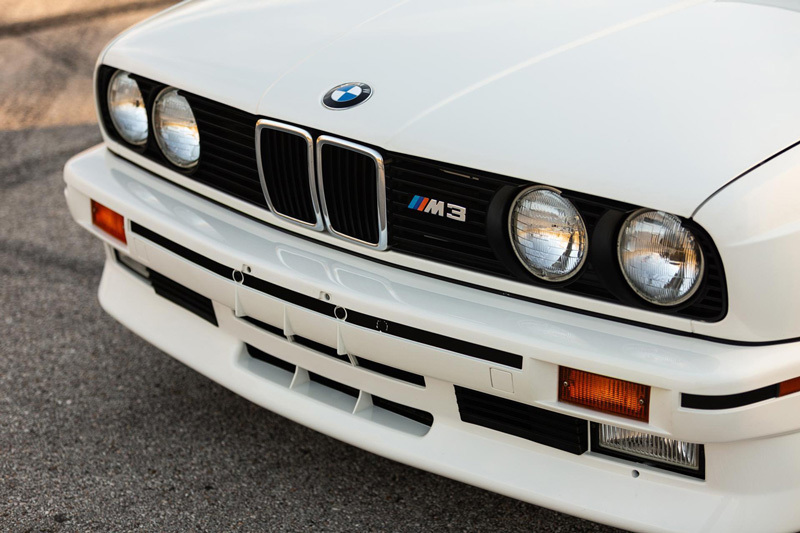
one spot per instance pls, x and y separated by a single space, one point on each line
109 221
676 453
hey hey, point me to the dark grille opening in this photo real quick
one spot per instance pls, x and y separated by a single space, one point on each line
227 150
183 296
335 385
285 166
417 415
350 183
255 353
532 423
319 347
392 372
263 325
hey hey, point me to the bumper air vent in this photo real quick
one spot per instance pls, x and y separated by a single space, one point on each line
182 296
538 425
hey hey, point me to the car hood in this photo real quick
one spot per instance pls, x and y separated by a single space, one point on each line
654 102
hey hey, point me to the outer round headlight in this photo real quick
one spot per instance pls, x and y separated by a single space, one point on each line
659 257
176 129
548 234
126 107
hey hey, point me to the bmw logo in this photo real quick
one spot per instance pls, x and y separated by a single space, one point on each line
347 95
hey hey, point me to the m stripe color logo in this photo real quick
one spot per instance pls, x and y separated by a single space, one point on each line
438 207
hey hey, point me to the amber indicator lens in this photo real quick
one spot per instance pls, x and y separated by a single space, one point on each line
601 393
109 221
789 387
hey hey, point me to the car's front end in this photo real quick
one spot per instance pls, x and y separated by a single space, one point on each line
348 221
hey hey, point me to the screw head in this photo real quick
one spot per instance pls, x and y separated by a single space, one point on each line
565 384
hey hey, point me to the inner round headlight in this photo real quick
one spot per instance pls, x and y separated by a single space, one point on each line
126 107
548 234
660 258
176 129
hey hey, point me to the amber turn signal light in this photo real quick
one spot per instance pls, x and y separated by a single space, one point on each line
109 221
789 387
604 394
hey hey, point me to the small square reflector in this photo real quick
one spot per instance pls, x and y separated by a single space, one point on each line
109 221
601 393
672 452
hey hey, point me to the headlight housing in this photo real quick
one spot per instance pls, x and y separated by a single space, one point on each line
548 234
176 128
127 109
660 258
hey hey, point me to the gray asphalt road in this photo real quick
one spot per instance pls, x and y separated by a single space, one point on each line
100 431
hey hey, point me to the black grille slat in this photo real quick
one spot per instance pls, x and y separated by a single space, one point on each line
557 430
350 183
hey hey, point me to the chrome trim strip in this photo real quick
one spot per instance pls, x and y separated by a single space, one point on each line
319 225
383 233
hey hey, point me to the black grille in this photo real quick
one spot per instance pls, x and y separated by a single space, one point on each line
285 165
481 242
418 233
182 296
354 191
538 425
350 183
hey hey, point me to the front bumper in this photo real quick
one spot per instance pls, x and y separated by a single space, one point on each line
752 467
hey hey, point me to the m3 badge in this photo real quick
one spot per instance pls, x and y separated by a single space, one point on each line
438 208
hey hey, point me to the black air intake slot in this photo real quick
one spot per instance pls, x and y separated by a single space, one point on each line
556 430
183 296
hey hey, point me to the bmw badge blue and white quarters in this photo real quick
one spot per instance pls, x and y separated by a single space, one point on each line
552 252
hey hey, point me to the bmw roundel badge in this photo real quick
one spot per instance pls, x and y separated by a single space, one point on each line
347 95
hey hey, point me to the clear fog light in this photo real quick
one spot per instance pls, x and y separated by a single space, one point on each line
660 258
126 107
176 129
671 452
548 234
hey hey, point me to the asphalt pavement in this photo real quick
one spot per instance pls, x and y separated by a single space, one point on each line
100 431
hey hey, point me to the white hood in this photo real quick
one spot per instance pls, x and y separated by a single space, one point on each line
654 102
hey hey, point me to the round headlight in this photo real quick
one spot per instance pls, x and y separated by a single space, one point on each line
176 129
126 107
660 258
548 234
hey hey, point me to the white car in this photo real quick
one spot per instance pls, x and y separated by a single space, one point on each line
550 249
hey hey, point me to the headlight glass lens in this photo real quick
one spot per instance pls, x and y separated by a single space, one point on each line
126 107
548 234
660 258
176 129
